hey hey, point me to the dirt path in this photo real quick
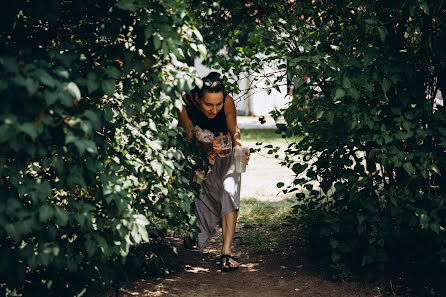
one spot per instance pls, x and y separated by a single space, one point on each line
259 275
281 273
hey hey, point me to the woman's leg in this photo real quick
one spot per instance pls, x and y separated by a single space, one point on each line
228 229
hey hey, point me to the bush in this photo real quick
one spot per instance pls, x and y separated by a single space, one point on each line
91 168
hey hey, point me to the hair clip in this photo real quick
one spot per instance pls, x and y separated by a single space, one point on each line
208 82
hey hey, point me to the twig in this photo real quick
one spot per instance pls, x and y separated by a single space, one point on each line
391 288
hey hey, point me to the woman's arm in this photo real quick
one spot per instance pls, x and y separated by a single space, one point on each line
185 122
231 121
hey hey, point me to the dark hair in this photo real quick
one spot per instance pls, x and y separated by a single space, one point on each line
212 83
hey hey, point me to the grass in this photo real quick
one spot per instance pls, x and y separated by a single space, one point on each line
261 135
266 136
262 224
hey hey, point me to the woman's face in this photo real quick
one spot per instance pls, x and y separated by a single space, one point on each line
211 104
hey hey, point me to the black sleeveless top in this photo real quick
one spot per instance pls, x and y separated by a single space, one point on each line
215 125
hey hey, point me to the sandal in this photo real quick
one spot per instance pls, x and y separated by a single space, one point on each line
227 263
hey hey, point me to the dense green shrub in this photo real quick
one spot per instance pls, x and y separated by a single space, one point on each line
370 170
373 151
91 167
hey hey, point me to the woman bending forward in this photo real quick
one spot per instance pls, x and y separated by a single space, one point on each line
208 112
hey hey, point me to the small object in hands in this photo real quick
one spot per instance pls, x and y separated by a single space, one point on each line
225 145
240 159
262 120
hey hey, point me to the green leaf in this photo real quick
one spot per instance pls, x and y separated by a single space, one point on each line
178 104
385 85
113 72
31 85
346 84
408 167
73 90
93 117
141 220
319 114
155 144
435 169
61 72
330 117
434 226
388 139
297 82
92 85
108 113
280 184
45 78
81 144
45 213
108 86
66 99
156 42
339 93
29 129
50 97
299 168
90 247
382 33
148 31
355 93
157 166
203 51
61 216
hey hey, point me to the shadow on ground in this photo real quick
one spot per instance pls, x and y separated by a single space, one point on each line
265 275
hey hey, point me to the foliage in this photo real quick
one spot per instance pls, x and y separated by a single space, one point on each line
370 169
263 224
91 168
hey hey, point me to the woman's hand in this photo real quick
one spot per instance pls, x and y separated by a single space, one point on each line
248 153
216 146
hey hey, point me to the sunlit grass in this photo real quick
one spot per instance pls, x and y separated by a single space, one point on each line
267 136
261 135
262 224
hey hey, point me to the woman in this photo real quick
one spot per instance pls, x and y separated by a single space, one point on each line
209 111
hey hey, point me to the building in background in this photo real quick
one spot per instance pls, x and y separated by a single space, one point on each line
254 100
